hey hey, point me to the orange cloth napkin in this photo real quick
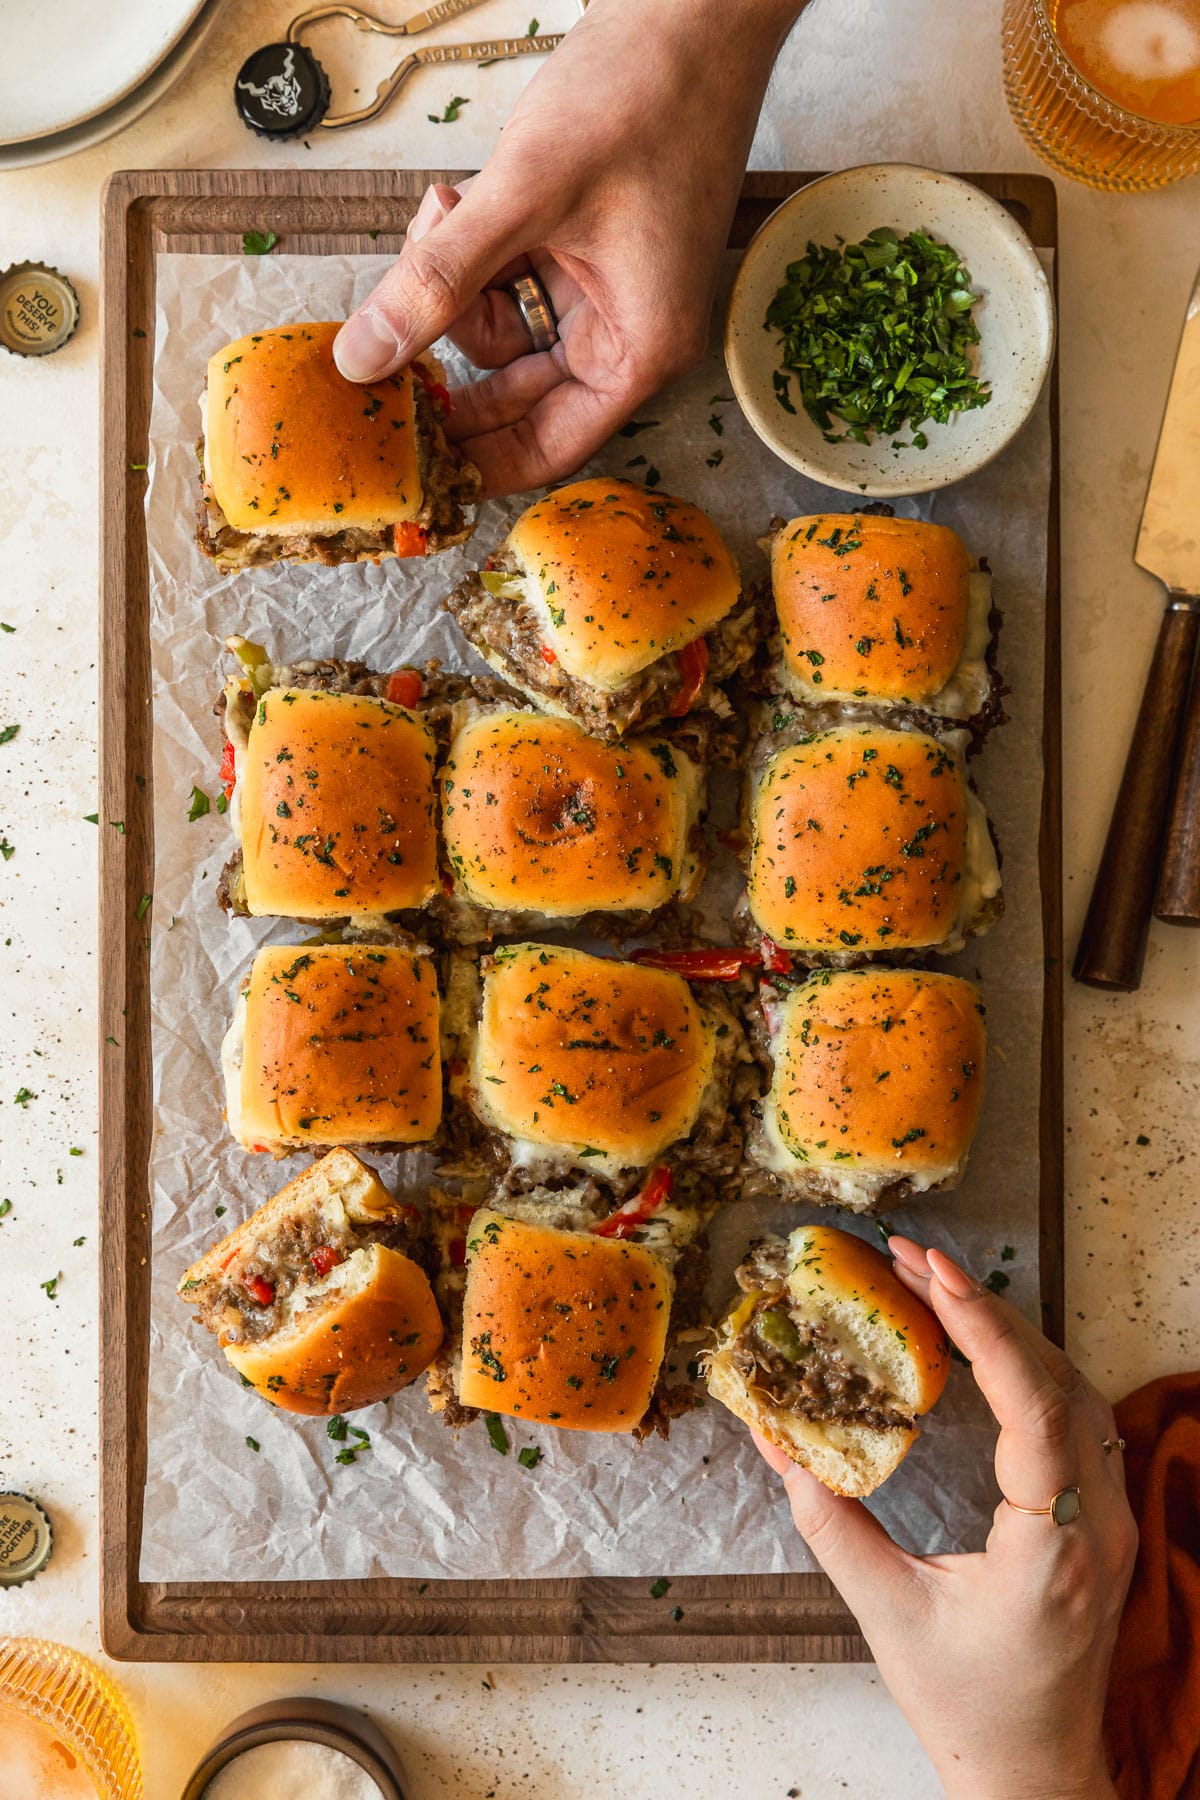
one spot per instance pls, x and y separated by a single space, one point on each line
1152 1717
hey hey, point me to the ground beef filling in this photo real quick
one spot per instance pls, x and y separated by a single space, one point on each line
448 485
301 1252
802 1367
512 632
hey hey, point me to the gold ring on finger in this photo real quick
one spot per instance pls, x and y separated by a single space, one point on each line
1108 1445
1064 1508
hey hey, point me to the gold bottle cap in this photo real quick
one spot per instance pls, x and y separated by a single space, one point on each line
26 1539
39 309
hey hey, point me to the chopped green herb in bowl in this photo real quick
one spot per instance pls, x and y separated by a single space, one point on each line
879 335
889 330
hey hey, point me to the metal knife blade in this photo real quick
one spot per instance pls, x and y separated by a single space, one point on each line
1169 537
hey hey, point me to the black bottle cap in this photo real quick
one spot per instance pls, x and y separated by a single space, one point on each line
281 91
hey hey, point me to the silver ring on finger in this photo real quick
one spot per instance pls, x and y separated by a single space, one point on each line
533 304
1108 1445
1064 1508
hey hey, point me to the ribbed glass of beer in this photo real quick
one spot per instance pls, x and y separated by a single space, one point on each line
1108 91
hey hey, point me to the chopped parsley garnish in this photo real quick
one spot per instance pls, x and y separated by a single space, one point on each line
529 1457
9 733
659 1588
198 805
497 1436
878 334
453 108
258 243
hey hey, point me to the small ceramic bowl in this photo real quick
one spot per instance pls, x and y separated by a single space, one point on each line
310 1720
1015 316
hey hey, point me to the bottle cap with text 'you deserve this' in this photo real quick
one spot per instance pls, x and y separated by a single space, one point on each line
26 1539
39 309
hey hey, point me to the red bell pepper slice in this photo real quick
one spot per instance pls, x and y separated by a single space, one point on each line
437 393
548 656
409 539
258 1289
776 960
625 1221
324 1258
701 965
693 668
405 687
227 775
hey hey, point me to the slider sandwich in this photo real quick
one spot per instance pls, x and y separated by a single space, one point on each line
542 823
334 1044
828 1356
330 790
610 605
876 1081
570 1061
880 613
297 464
315 1300
565 1311
866 842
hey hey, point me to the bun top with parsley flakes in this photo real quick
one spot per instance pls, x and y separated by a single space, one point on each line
334 1044
867 841
561 1327
584 1061
538 816
626 576
335 806
870 608
291 446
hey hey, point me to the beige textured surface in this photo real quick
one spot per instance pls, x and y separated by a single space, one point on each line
916 80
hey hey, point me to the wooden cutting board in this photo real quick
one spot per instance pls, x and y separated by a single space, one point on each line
759 1618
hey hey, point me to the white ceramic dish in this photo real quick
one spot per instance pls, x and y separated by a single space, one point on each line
57 71
29 152
1015 316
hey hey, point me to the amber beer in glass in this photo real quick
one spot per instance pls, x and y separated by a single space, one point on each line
1108 91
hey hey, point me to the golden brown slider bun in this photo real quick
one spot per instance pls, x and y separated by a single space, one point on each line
310 1303
624 576
847 1361
876 1085
537 816
292 447
336 807
878 609
332 1044
561 1327
866 840
586 1061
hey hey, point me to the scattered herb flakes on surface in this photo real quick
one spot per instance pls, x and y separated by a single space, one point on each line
258 243
5 1208
652 477
636 425
23 1096
659 1588
1142 1139
997 1281
9 733
143 906
50 1288
531 29
530 1456
878 335
497 1436
198 805
7 850
1007 1253
6 627
253 1444
91 818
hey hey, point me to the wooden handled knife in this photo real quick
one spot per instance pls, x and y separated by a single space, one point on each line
1158 803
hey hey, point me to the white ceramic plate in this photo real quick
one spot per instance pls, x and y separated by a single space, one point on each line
1015 316
25 155
64 65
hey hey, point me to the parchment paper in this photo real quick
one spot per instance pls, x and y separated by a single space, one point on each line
422 1502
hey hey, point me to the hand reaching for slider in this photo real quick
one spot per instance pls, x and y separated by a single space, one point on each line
999 1659
614 181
